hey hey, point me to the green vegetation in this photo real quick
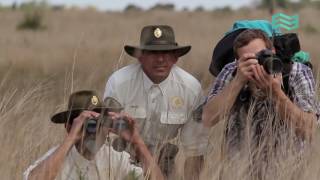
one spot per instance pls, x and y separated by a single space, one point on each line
32 21
132 176
132 7
33 16
167 7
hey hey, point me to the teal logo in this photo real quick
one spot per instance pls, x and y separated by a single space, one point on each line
284 21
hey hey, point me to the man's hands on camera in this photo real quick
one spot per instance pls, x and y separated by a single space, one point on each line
270 84
245 66
131 134
76 130
249 70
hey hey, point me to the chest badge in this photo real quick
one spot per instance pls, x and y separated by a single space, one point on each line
177 102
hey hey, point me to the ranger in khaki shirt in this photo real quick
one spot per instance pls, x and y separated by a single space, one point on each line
85 154
162 97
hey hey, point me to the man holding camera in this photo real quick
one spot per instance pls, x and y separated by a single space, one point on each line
163 98
250 96
84 152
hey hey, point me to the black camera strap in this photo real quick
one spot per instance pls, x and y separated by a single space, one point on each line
287 67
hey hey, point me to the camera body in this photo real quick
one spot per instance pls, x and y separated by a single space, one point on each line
270 62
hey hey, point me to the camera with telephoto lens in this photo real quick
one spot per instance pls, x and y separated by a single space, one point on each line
91 124
270 62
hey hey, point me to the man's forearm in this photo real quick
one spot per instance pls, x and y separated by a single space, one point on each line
49 168
303 122
220 105
148 161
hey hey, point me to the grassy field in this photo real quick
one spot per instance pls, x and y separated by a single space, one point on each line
80 49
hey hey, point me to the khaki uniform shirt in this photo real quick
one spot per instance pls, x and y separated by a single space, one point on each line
161 110
108 164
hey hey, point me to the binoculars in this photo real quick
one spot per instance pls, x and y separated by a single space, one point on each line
92 124
119 125
270 62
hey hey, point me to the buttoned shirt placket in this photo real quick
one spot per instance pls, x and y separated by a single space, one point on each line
154 102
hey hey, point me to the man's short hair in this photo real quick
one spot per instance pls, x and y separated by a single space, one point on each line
249 35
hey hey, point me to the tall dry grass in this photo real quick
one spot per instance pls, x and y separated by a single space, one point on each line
80 49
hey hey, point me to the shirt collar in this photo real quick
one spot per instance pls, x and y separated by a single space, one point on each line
147 83
77 157
82 160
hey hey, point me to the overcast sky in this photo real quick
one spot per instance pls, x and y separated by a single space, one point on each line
121 4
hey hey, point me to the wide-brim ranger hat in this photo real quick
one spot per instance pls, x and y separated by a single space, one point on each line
157 38
85 100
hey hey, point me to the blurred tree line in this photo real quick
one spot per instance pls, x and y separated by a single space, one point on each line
34 11
271 5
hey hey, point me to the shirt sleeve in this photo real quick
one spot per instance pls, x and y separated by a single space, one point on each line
109 90
303 84
37 162
112 90
193 135
126 169
223 78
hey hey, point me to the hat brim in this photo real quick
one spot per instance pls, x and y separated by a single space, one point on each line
68 116
223 52
135 51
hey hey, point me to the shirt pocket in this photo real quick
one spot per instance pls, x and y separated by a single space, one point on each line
137 112
173 118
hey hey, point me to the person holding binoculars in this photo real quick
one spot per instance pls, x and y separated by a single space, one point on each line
85 153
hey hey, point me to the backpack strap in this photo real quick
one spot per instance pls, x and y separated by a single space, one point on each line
285 79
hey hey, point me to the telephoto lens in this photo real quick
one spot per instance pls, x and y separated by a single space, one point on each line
270 62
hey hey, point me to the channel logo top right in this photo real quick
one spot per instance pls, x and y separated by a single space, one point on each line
281 20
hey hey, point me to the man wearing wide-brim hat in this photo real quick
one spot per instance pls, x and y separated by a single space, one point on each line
84 152
161 96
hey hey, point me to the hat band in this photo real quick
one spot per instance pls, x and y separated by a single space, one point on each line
161 43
